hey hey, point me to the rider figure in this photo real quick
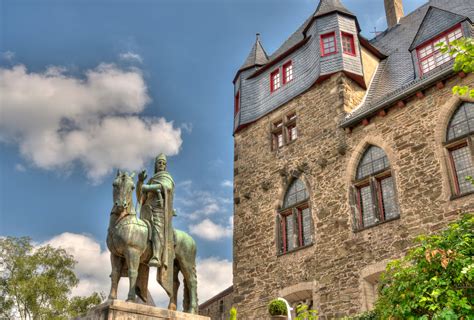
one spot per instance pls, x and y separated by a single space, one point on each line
156 198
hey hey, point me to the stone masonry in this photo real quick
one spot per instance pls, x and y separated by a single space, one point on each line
341 266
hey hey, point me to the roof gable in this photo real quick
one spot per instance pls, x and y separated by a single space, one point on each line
434 23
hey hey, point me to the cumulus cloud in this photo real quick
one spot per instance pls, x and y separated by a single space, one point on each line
131 56
8 55
93 269
195 203
59 120
211 231
20 168
227 183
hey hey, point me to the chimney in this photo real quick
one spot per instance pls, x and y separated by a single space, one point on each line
394 11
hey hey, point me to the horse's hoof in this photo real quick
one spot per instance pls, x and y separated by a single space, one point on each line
172 306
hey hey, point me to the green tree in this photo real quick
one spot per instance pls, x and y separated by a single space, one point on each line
463 51
435 280
35 283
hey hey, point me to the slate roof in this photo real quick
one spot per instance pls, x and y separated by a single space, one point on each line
396 76
328 6
256 57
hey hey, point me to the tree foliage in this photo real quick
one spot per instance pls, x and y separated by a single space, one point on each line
463 51
35 282
435 280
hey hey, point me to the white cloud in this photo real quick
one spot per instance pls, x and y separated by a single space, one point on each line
8 55
214 275
93 269
20 168
197 204
210 231
227 183
131 56
58 120
187 127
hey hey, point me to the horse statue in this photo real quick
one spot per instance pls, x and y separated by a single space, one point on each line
129 242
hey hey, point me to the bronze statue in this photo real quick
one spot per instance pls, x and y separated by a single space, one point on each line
129 239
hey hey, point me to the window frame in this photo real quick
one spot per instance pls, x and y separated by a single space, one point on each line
352 42
321 39
284 72
282 126
289 212
434 50
273 82
374 182
456 143
237 103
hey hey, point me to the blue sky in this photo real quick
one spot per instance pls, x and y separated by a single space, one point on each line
130 79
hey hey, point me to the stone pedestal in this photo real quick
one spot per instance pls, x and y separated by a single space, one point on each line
121 310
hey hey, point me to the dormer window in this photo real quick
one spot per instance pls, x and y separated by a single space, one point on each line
348 46
275 81
287 72
429 55
328 44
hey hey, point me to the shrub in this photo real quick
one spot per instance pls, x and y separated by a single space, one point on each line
277 308
304 313
434 280
233 314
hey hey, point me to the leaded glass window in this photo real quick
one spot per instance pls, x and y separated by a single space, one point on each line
373 161
296 224
295 194
460 128
462 122
374 191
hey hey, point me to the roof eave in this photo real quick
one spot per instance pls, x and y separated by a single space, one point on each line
448 72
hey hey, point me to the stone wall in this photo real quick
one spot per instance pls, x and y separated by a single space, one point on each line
325 157
218 307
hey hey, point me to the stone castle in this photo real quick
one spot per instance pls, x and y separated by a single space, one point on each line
345 150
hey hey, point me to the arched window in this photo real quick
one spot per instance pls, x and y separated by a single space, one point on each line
373 193
458 144
294 219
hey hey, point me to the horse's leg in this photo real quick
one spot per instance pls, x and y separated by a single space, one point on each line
190 287
173 300
133 261
115 275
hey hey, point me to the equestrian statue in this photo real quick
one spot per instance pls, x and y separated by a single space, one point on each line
136 244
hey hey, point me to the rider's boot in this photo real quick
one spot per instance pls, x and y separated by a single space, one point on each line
155 260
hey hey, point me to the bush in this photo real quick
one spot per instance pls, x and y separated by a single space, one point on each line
233 313
434 280
277 308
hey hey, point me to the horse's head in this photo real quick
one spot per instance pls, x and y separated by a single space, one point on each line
123 187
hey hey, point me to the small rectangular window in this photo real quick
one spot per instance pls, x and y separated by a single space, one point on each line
348 46
275 81
292 132
236 103
328 44
287 72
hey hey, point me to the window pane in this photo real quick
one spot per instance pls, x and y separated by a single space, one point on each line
373 161
296 193
388 198
461 122
307 227
291 239
463 167
368 213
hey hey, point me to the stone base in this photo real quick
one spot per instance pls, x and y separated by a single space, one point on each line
121 310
